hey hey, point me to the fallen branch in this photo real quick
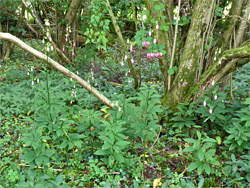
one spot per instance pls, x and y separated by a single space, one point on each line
62 69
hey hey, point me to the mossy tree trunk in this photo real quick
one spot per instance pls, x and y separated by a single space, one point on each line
188 65
219 60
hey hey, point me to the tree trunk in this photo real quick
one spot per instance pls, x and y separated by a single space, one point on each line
187 70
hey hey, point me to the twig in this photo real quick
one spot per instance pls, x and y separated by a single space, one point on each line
40 167
175 37
156 138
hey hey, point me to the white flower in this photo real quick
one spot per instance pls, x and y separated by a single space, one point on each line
150 33
205 103
210 111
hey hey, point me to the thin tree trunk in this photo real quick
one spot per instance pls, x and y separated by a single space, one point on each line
119 33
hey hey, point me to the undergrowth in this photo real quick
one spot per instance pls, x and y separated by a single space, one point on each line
56 134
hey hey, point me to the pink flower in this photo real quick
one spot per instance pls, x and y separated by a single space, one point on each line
127 41
126 57
96 84
66 39
32 82
157 26
74 44
73 53
147 43
154 41
92 73
215 97
205 103
148 55
63 49
210 111
143 43
152 55
184 84
160 54
122 64
92 78
38 81
88 81
132 60
71 102
131 48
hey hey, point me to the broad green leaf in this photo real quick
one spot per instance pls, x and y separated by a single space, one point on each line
122 143
207 168
101 152
193 166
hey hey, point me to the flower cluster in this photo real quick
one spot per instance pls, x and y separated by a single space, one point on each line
146 44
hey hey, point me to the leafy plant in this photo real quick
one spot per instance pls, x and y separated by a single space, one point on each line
203 151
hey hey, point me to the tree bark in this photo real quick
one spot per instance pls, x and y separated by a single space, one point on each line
62 69
187 70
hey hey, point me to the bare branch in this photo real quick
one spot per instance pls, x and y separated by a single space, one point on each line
62 69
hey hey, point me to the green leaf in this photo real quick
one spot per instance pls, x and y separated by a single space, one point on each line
107 185
247 101
101 152
189 140
200 155
200 168
59 179
106 146
28 157
218 138
171 71
207 168
198 134
193 166
201 182
64 144
136 185
122 143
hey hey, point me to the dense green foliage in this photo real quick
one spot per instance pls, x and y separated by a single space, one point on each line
53 133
